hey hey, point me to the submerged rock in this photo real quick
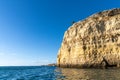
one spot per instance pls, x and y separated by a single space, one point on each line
93 42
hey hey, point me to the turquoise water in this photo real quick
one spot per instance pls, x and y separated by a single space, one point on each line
54 73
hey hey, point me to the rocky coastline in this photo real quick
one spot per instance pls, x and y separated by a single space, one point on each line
93 42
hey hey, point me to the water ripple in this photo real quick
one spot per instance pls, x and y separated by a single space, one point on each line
54 73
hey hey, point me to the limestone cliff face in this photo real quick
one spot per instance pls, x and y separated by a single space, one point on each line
93 42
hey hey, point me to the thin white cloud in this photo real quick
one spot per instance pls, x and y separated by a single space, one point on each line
9 54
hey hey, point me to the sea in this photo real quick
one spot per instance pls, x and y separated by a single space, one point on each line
55 73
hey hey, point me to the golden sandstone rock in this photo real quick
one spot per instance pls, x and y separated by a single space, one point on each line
93 42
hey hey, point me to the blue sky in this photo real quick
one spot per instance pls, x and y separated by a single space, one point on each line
31 31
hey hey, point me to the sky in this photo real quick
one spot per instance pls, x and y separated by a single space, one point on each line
31 31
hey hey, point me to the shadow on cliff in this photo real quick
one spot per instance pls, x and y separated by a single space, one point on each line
106 65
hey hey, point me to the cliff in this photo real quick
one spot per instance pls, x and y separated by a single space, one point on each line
93 42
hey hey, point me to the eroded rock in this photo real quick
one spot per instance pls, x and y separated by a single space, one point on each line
88 42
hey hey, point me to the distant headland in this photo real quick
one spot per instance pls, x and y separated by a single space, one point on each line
53 64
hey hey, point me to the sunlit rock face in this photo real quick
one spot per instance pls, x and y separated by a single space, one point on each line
93 42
